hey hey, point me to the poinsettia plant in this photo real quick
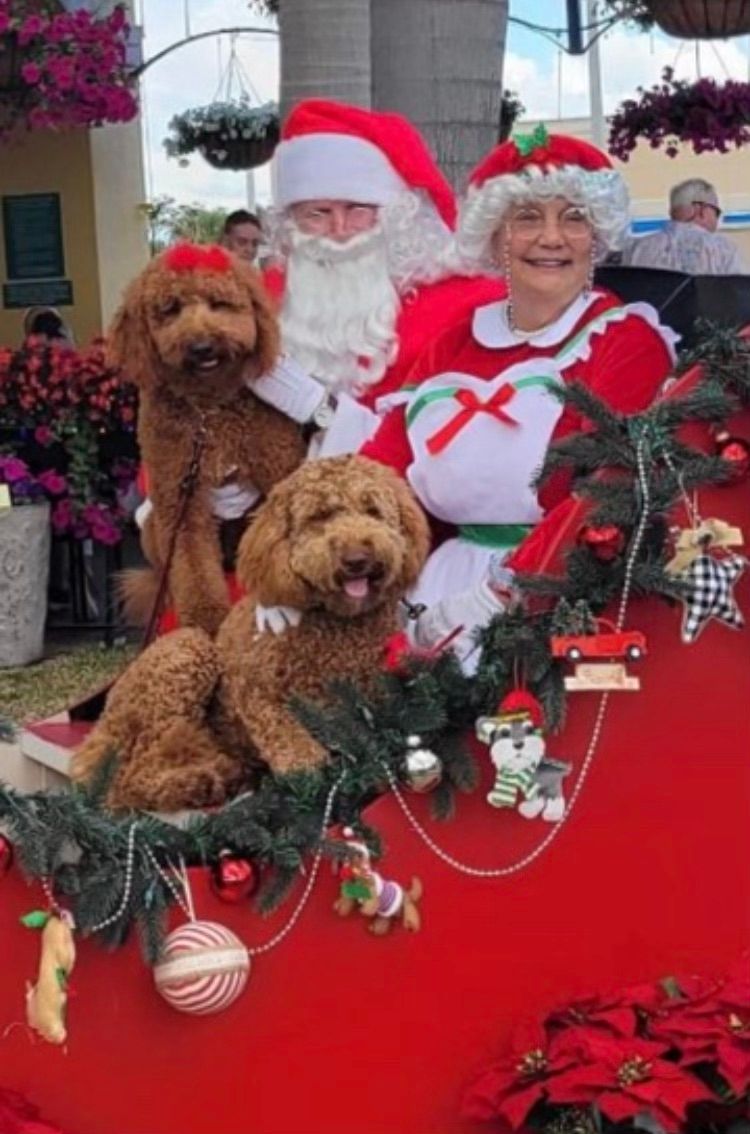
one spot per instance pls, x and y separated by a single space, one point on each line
671 1056
706 114
67 435
64 69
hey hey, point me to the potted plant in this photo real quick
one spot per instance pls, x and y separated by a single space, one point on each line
67 436
705 114
229 135
688 19
62 69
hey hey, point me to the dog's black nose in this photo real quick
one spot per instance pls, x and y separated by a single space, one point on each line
202 350
356 564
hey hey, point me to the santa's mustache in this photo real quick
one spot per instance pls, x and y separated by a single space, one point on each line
324 251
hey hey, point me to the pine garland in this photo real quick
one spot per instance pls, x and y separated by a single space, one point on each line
68 839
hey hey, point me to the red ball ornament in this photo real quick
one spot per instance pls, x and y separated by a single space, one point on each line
6 855
736 452
605 543
233 878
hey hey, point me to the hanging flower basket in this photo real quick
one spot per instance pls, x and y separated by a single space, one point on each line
688 19
61 69
229 135
707 115
701 19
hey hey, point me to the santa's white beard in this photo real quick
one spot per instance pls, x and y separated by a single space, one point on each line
338 317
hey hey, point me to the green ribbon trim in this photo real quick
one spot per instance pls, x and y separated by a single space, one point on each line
527 143
612 315
501 536
450 392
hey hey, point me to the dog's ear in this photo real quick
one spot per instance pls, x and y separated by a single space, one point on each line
413 525
129 338
267 344
263 557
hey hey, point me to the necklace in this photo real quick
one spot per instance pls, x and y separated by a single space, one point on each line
523 336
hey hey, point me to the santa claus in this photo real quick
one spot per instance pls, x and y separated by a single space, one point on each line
361 233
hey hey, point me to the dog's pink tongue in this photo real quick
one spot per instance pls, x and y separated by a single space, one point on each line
357 588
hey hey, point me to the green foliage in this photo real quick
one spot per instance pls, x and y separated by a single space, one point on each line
68 837
169 221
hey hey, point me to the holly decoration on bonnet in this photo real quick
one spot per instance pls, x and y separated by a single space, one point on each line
525 778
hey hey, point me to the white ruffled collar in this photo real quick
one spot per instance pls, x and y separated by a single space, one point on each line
490 325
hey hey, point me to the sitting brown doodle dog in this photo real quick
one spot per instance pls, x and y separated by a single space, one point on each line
193 327
341 540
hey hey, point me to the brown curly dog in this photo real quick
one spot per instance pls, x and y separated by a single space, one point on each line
193 327
341 540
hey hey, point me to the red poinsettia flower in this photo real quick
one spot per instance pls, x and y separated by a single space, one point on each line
512 1087
615 1012
689 1020
626 1076
733 1048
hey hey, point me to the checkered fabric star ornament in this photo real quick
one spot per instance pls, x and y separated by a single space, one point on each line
710 594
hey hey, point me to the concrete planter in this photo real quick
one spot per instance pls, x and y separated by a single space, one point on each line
24 570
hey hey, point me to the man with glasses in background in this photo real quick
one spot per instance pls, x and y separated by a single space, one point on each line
689 241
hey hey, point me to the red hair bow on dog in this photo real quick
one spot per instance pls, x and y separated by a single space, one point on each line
197 258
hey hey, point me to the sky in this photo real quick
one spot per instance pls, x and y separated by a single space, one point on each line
550 83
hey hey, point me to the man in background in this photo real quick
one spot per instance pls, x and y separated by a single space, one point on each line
689 241
242 234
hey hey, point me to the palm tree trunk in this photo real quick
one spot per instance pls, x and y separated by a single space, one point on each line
440 62
325 51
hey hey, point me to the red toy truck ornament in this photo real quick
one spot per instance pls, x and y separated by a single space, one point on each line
607 642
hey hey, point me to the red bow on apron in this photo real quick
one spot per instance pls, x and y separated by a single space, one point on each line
470 404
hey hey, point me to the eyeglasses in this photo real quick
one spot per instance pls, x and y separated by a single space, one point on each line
573 223
707 205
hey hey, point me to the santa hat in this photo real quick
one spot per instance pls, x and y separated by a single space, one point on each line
518 704
542 165
354 844
330 150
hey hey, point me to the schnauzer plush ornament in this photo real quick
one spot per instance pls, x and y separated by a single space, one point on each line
522 770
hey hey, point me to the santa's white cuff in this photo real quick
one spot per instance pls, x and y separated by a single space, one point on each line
351 425
232 501
290 390
471 609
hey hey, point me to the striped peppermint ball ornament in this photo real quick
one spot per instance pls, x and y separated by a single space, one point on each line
204 968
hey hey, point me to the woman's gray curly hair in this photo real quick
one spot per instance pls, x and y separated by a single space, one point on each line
602 192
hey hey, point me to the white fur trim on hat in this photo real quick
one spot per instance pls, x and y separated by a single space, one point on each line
603 192
336 167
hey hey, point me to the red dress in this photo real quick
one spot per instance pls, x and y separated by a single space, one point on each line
472 425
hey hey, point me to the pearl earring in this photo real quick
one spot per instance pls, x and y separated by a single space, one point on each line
590 277
509 300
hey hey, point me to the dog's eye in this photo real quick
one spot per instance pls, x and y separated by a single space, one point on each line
374 511
220 304
169 308
322 515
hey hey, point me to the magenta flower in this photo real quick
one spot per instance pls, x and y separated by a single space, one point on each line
31 73
53 482
13 469
43 435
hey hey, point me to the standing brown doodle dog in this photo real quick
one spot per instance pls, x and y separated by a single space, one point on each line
194 327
